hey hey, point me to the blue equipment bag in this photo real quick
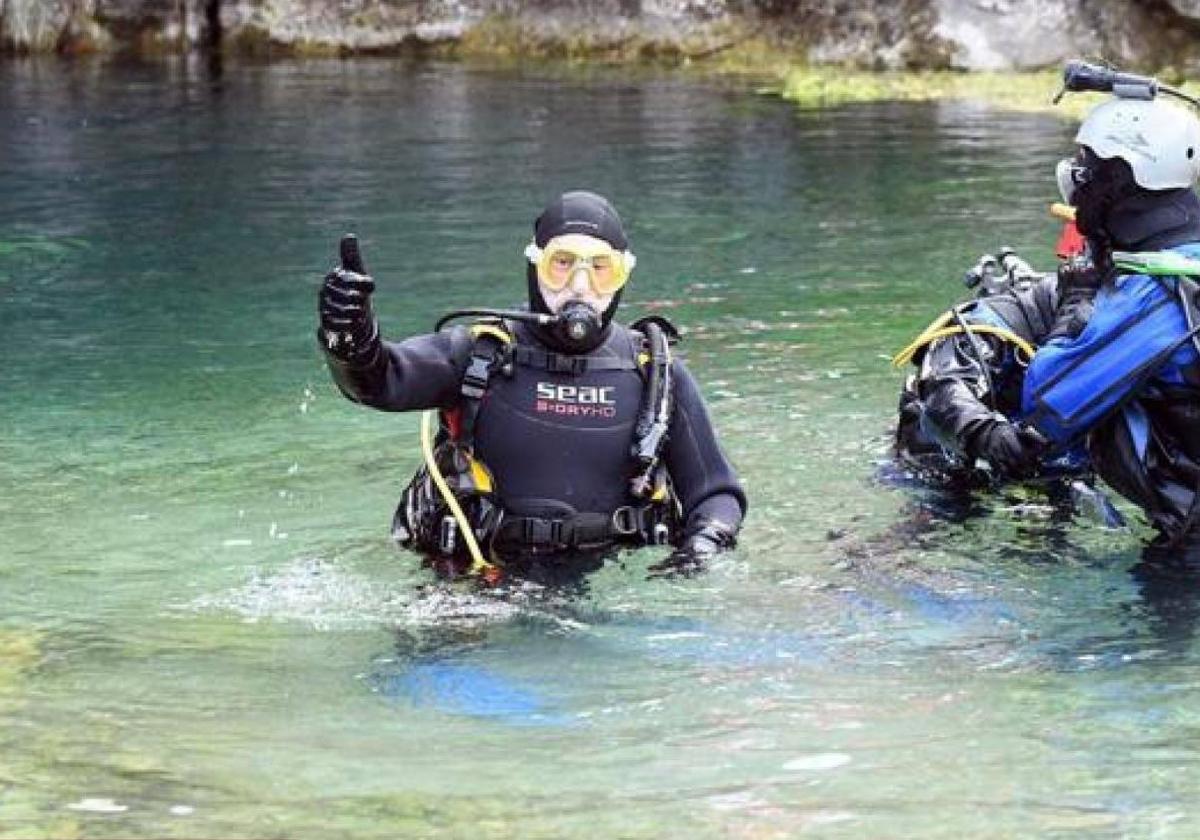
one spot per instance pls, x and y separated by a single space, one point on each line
1135 330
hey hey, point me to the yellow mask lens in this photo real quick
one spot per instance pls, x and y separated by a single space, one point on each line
565 256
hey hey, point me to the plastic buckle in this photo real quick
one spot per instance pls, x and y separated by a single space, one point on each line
476 378
625 521
567 364
662 534
536 531
448 535
529 530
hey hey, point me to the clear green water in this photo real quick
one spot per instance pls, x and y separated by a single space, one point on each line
205 631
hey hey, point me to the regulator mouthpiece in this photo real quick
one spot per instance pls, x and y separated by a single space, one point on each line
578 330
579 326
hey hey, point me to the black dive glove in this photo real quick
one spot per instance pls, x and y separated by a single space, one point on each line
999 273
704 540
1079 280
1012 451
348 328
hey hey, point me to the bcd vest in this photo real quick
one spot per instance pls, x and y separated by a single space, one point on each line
541 452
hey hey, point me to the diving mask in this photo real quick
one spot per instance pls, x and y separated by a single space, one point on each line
1071 174
564 256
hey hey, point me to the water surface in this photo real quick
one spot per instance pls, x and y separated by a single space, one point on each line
207 632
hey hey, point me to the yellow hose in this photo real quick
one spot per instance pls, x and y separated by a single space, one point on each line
478 564
938 330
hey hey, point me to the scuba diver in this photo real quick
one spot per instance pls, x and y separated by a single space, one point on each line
955 407
562 434
1128 382
957 429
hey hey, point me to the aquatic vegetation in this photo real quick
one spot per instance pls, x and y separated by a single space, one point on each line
20 651
16 248
25 823
721 47
778 64
822 87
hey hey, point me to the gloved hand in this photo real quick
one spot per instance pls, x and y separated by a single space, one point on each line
1016 268
705 540
348 327
1012 451
998 273
1079 280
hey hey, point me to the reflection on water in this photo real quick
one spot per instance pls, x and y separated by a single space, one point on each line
207 631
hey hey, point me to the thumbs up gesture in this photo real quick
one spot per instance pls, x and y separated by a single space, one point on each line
348 325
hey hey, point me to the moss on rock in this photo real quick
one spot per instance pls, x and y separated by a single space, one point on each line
819 87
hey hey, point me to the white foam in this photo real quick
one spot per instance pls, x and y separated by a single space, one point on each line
98 805
328 596
740 801
818 761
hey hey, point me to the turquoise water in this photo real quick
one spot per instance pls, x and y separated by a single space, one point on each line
206 631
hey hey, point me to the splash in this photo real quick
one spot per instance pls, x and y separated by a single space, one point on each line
312 591
328 596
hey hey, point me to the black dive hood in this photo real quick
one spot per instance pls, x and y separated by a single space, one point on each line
578 328
1115 213
1151 220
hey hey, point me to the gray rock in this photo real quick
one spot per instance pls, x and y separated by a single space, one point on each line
33 25
966 34
1189 9
1013 34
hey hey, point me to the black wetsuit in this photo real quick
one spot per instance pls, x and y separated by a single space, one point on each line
557 431
962 381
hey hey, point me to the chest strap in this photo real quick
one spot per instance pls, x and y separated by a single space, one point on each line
534 357
630 524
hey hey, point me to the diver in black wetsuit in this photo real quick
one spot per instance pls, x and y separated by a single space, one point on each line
957 407
563 434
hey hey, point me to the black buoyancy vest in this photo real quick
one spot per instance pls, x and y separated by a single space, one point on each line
557 433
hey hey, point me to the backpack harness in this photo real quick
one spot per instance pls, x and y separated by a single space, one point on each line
427 519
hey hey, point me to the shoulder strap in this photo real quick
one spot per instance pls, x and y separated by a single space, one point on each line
490 349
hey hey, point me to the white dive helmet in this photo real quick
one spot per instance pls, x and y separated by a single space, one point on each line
1159 140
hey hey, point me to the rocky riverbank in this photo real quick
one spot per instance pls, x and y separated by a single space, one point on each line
870 34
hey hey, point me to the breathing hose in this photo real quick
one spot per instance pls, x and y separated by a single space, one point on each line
478 564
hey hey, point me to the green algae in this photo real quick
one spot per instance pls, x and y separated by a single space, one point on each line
18 251
778 63
39 246
824 87
723 47
20 652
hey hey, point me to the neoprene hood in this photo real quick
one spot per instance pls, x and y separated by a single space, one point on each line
582 212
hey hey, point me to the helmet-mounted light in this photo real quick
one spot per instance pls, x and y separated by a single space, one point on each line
1159 140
